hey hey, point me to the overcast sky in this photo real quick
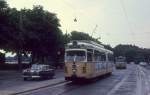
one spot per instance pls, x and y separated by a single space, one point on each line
119 21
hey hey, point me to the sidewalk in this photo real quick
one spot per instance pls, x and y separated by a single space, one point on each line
28 87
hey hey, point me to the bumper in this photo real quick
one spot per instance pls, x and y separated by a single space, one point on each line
74 78
25 76
120 66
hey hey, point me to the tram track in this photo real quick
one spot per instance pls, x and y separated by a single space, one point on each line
64 88
47 86
145 77
69 86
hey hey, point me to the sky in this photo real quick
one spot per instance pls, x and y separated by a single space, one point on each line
118 21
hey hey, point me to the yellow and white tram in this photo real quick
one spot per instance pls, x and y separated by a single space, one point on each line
87 60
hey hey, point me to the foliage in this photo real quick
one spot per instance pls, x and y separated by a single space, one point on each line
3 23
80 36
42 34
132 53
75 35
30 31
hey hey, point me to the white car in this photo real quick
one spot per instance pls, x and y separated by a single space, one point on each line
132 63
143 63
38 71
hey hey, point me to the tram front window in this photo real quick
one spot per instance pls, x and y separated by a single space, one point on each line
120 60
75 56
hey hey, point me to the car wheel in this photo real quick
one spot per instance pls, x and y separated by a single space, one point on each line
49 77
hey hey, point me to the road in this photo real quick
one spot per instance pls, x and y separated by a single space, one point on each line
12 79
135 80
121 82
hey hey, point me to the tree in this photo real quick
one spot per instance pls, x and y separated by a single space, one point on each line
132 53
43 37
82 36
66 38
4 10
30 31
108 47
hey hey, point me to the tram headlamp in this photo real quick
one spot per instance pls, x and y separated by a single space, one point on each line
74 70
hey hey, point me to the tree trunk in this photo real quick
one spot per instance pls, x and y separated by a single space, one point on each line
33 58
19 60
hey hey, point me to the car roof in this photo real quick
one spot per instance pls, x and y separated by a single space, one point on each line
40 65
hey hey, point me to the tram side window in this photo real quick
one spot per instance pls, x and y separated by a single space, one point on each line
97 56
103 57
110 57
89 56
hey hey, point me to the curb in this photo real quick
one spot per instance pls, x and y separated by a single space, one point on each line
37 88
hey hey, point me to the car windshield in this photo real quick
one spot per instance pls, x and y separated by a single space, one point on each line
75 55
36 67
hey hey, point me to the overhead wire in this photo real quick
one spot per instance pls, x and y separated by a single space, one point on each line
128 22
75 14
72 8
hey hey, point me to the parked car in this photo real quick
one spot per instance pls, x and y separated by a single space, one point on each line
143 63
38 71
132 62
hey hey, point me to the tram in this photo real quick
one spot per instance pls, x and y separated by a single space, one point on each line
120 62
87 60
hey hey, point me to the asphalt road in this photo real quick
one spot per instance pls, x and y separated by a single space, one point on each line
121 82
12 79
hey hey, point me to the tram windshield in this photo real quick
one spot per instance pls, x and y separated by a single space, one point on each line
120 59
75 55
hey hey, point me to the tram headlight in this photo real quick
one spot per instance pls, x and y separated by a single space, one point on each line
74 70
84 69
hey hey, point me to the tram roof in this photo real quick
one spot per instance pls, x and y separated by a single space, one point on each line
88 45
